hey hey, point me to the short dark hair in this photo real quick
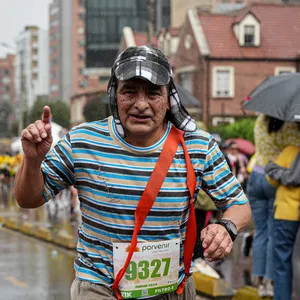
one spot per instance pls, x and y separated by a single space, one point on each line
274 124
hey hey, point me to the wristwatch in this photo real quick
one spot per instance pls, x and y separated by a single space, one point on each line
230 227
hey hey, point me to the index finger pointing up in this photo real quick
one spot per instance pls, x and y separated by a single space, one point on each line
46 114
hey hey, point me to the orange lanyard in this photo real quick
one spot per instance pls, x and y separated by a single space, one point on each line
149 195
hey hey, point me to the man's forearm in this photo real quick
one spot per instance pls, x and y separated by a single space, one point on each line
29 184
240 215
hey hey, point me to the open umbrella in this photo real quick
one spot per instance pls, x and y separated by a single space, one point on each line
278 97
244 145
187 99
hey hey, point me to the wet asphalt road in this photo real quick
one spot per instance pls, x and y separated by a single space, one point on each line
32 269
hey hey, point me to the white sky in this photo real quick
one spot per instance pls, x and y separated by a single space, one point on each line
16 14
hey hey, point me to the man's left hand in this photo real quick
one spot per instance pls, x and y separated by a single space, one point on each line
216 242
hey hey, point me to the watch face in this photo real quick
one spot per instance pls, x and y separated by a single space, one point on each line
232 228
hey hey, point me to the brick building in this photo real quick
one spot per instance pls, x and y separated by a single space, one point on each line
7 95
224 57
7 79
67 49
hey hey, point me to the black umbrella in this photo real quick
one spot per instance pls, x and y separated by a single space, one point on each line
187 99
278 97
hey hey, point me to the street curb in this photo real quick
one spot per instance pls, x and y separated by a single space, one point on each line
66 240
27 228
43 233
248 293
212 288
11 224
62 238
207 286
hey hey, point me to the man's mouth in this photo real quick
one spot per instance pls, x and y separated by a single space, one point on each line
140 118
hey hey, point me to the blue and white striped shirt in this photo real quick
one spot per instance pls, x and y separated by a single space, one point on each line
110 176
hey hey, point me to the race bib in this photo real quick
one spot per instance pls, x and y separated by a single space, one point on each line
153 268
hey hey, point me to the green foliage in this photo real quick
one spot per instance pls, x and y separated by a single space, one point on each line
242 128
95 110
60 112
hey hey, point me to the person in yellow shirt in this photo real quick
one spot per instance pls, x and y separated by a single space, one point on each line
286 214
271 137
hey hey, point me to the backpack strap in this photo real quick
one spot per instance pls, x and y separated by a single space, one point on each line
149 195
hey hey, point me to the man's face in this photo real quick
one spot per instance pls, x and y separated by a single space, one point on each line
142 107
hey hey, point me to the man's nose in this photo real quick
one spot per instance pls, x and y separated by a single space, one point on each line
141 102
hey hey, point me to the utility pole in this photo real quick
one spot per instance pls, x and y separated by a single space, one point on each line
150 21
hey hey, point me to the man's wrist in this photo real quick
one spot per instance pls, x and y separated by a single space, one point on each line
230 227
34 163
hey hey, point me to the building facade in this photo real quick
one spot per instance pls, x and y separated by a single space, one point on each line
105 21
31 67
7 80
222 58
67 48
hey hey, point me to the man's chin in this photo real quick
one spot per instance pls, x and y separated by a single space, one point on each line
138 129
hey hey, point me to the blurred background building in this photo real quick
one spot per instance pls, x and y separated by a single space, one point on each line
219 50
7 80
66 48
31 68
7 93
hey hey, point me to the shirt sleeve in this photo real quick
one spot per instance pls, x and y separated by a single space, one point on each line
58 168
282 171
218 181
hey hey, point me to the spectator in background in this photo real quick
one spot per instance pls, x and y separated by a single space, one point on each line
237 163
204 206
271 136
284 175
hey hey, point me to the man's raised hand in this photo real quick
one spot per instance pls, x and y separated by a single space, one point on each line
37 137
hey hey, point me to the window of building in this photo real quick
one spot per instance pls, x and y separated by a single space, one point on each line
223 82
217 121
284 70
54 88
54 10
6 72
81 16
249 35
6 80
81 43
185 80
104 79
80 30
83 83
6 97
104 27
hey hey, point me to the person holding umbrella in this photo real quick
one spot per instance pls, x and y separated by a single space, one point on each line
276 99
283 173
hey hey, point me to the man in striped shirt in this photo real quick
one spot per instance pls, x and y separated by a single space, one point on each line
110 162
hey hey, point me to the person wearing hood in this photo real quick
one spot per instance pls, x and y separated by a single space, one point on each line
137 173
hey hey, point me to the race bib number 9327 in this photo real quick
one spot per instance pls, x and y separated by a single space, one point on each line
153 268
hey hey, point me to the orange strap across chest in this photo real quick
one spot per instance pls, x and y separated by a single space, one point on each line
147 200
